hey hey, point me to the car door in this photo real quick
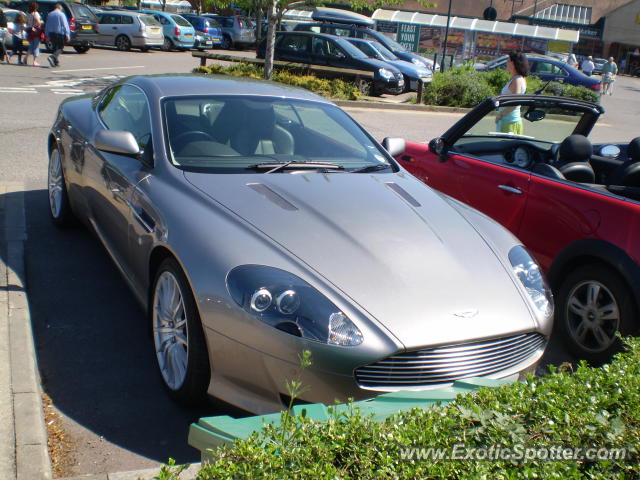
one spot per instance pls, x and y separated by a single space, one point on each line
548 71
108 24
113 177
337 57
294 48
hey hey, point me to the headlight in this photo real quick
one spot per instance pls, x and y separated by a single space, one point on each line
290 304
386 74
528 272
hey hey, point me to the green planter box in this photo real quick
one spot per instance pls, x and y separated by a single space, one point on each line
212 432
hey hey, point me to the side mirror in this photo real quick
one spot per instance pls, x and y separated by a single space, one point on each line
120 142
438 146
395 146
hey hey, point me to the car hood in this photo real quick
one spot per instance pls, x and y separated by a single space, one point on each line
377 64
392 245
410 69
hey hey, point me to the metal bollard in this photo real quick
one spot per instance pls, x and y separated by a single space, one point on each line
420 91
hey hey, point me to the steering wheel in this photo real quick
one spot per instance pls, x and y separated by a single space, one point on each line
192 136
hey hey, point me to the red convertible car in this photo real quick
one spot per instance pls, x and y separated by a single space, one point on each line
573 204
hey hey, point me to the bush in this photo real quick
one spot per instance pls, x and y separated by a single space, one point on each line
588 407
466 87
333 88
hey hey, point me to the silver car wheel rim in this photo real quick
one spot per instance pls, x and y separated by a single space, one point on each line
593 316
55 184
122 43
170 331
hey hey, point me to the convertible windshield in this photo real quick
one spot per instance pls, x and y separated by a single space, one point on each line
234 134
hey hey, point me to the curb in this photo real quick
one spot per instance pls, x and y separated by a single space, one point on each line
146 474
25 455
377 104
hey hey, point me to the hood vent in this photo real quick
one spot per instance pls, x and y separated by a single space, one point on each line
403 193
269 194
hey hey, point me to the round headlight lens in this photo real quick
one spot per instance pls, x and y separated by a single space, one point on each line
261 300
384 73
288 302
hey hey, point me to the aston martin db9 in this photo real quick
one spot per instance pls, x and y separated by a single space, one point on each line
254 221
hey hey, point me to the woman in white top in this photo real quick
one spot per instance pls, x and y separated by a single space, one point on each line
508 119
34 29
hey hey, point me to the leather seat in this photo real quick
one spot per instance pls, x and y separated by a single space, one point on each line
547 170
573 159
260 135
628 174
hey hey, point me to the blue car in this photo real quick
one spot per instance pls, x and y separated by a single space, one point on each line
549 69
178 33
412 72
208 32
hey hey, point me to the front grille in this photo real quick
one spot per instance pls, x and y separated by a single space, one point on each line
443 365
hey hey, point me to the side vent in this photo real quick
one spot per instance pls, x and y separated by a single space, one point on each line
403 193
269 194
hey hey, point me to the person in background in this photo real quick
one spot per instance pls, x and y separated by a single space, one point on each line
19 29
34 30
508 119
4 33
572 61
57 30
609 72
623 65
588 66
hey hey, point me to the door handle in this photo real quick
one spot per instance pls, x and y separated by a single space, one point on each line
509 189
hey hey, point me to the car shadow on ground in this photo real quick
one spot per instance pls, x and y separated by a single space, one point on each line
94 349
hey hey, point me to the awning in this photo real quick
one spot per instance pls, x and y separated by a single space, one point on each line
477 25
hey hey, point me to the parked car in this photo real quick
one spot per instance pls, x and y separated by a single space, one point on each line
127 29
598 63
574 205
349 24
82 21
548 69
10 15
208 32
237 31
178 32
332 51
254 221
412 73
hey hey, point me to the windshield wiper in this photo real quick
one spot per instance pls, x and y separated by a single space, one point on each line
372 168
294 165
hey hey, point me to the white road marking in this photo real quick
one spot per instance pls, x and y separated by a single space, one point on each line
93 69
9 90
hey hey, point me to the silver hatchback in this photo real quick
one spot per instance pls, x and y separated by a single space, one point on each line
125 30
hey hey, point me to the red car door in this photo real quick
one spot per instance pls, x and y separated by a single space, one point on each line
496 190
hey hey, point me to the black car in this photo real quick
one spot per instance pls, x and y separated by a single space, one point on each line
332 51
349 24
82 21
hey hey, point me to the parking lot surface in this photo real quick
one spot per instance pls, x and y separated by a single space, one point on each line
93 346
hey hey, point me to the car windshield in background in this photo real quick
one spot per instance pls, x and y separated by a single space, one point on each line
386 53
149 20
232 134
550 125
180 21
393 45
351 49
81 11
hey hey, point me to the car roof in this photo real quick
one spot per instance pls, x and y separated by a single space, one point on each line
178 85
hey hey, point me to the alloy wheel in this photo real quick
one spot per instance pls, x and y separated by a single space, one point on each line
593 316
123 43
170 335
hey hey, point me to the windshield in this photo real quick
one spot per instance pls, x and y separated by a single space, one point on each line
351 49
230 134
149 20
556 124
391 44
365 48
386 53
180 21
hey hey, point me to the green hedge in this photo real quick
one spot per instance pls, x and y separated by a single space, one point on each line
466 87
586 407
333 88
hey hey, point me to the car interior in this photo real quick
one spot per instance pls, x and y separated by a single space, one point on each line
552 149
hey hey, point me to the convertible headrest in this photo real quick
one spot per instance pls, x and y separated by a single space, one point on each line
575 148
633 150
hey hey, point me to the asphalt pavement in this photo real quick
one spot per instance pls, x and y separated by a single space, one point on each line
94 351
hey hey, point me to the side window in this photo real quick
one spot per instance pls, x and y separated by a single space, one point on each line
127 20
333 50
125 108
319 46
295 43
543 67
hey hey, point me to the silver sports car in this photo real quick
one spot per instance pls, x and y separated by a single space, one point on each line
254 221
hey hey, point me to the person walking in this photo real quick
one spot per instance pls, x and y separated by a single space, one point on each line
588 66
19 29
508 119
572 61
34 30
4 34
609 72
57 30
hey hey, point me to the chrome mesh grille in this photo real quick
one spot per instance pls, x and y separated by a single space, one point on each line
445 364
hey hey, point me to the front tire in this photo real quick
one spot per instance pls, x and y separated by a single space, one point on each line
81 48
59 206
178 337
594 303
123 43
